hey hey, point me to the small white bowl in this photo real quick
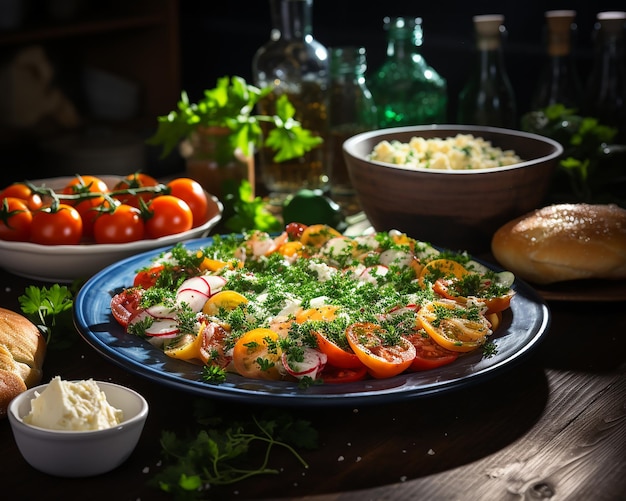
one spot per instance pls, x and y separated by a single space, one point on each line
66 263
79 453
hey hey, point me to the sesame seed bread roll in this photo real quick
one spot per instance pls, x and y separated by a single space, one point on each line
564 242
22 352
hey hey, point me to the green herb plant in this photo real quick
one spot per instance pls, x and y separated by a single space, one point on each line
590 169
232 104
219 452
50 309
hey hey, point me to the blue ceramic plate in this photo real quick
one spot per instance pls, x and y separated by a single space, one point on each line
523 326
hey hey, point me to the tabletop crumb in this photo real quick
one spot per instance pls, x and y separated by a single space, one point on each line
431 452
146 469
403 478
340 458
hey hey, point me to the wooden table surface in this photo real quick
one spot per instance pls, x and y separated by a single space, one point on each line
551 427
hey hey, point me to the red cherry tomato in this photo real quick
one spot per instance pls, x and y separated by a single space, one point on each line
23 192
61 227
123 225
169 215
133 181
15 220
295 230
85 185
191 192
125 305
429 354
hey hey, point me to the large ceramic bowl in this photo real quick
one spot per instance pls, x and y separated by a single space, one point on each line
79 453
66 263
456 209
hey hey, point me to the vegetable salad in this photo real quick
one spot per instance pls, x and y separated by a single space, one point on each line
313 305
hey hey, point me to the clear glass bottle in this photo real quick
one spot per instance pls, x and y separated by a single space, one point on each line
294 63
559 82
606 87
406 90
351 110
488 98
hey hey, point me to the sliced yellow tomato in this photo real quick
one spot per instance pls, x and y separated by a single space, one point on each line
291 248
256 354
317 235
226 300
495 319
441 268
382 359
453 326
206 347
324 313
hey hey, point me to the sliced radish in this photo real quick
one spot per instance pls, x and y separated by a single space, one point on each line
196 290
373 273
161 311
312 364
165 328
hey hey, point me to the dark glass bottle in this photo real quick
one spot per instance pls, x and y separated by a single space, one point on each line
559 82
351 110
294 63
406 90
488 98
606 88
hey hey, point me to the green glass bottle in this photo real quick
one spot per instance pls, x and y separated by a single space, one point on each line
558 81
488 98
351 110
406 90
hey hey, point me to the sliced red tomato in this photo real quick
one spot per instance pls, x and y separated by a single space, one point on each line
429 354
256 354
337 375
383 359
147 278
343 358
453 326
125 305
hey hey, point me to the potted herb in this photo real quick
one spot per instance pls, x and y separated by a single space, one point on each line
219 134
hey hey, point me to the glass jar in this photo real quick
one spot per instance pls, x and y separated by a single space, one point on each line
488 98
351 110
210 160
406 90
606 87
559 82
296 64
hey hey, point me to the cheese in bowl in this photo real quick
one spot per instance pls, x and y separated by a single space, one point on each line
460 152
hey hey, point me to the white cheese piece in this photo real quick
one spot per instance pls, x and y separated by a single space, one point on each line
73 405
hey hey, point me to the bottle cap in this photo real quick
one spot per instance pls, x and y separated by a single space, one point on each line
559 29
611 22
488 28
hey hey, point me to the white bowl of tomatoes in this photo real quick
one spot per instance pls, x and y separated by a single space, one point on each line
83 234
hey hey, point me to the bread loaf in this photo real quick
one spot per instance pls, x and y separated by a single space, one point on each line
22 352
564 242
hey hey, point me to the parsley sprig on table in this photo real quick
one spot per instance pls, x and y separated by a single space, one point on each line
50 309
220 452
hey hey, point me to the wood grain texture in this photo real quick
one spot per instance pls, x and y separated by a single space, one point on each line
552 427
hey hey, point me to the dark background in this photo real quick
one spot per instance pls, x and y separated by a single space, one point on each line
219 38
